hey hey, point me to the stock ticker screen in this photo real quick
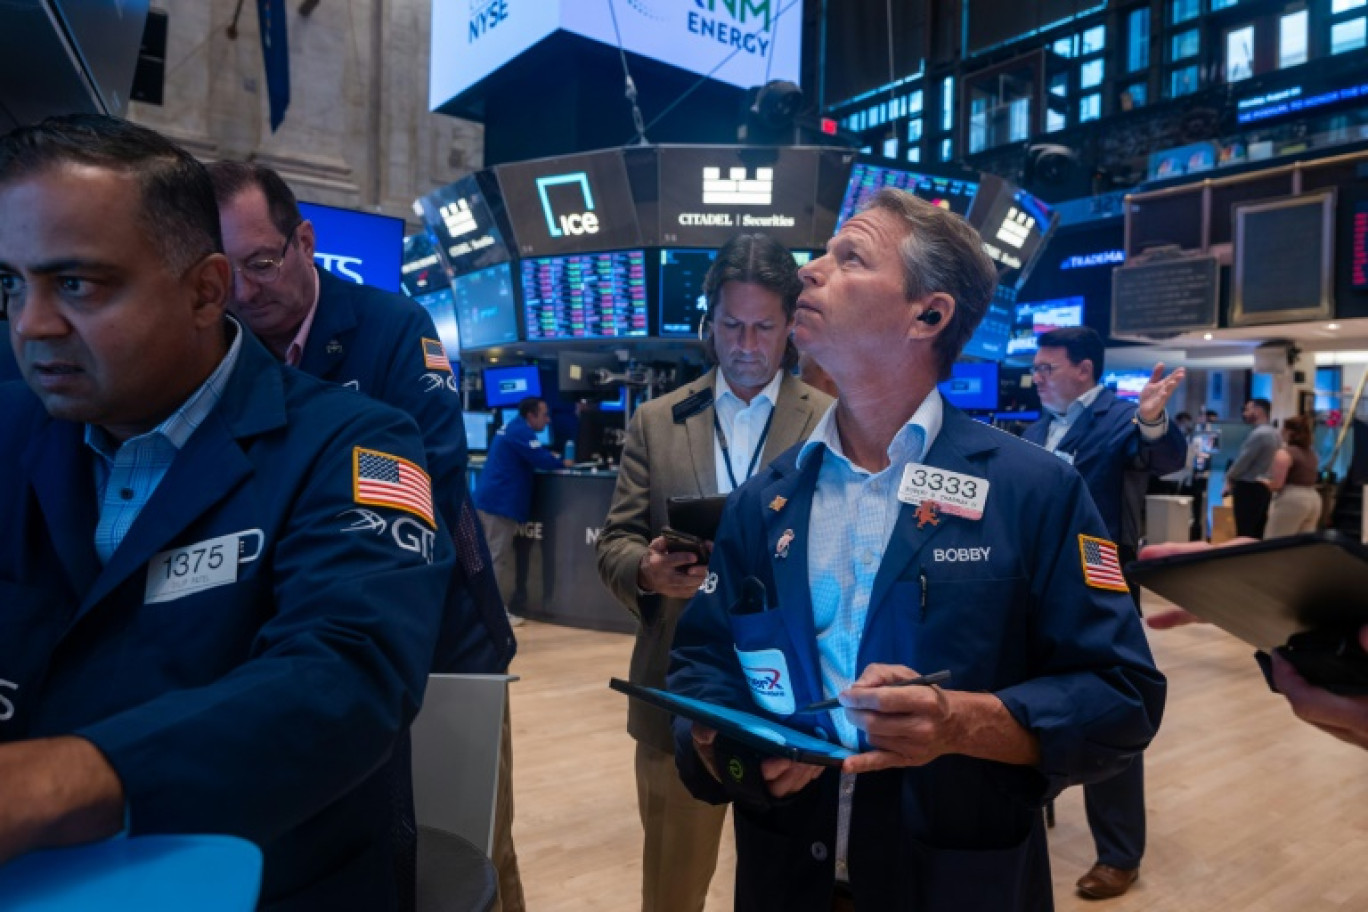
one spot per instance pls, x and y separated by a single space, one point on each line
585 296
955 194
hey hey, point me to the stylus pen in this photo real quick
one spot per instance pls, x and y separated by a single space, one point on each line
925 680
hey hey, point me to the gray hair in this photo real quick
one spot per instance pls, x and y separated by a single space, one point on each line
941 253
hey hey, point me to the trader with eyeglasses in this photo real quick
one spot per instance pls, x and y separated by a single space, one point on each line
385 346
1115 445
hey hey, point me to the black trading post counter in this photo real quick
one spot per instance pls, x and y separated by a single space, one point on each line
556 563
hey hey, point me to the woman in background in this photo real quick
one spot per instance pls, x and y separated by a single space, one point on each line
1296 503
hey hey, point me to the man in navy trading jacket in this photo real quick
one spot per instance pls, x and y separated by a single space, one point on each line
905 538
1115 445
385 346
221 581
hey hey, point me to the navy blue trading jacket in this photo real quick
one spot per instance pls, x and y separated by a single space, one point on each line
383 345
1106 448
1004 603
505 485
261 697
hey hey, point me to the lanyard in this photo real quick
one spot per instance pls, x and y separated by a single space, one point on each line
755 454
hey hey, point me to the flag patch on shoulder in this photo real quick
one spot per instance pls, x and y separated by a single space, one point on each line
382 480
435 356
1101 565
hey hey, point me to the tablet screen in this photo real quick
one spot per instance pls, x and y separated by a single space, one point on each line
748 728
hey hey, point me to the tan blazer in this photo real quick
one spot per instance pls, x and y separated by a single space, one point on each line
662 459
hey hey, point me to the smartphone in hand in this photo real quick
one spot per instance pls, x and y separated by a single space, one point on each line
677 542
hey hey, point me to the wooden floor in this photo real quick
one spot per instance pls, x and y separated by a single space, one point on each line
1249 810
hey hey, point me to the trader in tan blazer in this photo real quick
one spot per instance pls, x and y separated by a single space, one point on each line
705 438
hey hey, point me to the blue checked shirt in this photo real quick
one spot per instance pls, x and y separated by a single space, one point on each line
853 514
127 474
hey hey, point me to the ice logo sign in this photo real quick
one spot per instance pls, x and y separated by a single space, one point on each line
581 219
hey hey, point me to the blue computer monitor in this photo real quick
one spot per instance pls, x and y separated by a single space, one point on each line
1037 317
973 385
360 247
510 385
1126 383
477 430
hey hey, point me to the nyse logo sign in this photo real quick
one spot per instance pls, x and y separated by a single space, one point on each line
577 198
341 265
735 189
457 218
485 15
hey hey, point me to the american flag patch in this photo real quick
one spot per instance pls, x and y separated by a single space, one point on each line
1101 566
383 480
434 356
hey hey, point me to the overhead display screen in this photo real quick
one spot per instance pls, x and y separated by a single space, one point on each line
459 217
486 308
1034 319
1014 226
441 308
741 42
422 272
709 193
973 385
585 296
360 247
682 302
991 336
955 194
570 204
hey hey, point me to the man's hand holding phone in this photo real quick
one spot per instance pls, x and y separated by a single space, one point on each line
674 565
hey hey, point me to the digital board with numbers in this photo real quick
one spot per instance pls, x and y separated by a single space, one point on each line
585 296
951 193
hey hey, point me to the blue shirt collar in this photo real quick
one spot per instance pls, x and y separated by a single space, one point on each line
911 444
181 423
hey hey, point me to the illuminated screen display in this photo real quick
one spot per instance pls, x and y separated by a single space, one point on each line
1014 226
973 385
1358 250
1127 384
504 386
990 339
571 204
486 309
440 307
1041 317
460 219
709 193
955 194
477 430
361 247
587 296
682 303
422 272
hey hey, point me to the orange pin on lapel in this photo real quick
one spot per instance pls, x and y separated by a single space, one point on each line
778 503
926 513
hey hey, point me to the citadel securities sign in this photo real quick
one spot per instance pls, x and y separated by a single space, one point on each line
708 193
759 40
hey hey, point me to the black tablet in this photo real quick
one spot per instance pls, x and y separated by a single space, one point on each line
764 735
1266 592
698 516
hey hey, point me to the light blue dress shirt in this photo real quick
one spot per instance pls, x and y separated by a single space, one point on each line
853 515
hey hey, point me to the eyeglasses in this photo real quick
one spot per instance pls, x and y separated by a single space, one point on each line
1044 369
265 270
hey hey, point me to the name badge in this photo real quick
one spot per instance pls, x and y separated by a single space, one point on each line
767 674
204 565
951 492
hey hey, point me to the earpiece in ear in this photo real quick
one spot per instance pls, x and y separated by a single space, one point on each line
930 317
